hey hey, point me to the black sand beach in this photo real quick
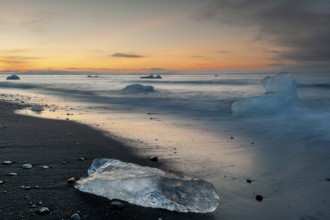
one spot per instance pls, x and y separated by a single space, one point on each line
60 145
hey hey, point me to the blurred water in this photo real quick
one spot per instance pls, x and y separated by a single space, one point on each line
188 123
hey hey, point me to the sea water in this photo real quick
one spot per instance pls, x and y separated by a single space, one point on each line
188 123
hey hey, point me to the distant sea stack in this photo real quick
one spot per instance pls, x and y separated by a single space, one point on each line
13 77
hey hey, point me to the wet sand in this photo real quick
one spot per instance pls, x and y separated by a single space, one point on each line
46 142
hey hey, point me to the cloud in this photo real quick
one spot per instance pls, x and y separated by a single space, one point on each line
300 27
157 69
16 62
126 55
223 51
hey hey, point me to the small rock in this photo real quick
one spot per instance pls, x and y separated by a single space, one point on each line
43 211
82 159
12 174
27 187
117 205
45 167
27 166
64 162
231 137
33 206
259 198
154 159
75 216
2 182
327 179
7 162
249 181
71 180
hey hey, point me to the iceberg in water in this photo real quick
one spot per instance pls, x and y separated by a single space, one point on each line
138 88
281 92
148 187
151 77
13 77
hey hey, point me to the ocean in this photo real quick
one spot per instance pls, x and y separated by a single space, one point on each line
187 121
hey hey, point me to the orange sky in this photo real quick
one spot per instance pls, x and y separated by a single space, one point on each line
62 34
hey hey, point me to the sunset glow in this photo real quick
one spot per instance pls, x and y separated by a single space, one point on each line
172 35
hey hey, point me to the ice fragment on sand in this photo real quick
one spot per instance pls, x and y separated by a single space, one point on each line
148 187
13 77
281 92
138 88
37 108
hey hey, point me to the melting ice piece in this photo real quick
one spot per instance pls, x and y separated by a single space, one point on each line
37 108
281 92
148 187
138 88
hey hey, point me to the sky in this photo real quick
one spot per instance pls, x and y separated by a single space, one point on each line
178 35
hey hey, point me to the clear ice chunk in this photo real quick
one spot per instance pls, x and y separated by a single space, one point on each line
148 187
281 92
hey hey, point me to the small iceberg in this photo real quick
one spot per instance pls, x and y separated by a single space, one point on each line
151 77
148 187
13 77
138 88
37 108
281 93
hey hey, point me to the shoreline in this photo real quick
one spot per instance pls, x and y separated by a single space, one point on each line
47 142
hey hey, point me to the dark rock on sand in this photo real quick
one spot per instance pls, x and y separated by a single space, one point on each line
154 159
249 181
7 162
43 211
259 198
27 166
117 205
75 216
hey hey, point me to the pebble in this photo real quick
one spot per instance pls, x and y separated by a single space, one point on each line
2 182
27 166
154 159
71 180
12 174
249 181
75 216
7 162
26 187
259 198
82 159
45 167
43 211
117 205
